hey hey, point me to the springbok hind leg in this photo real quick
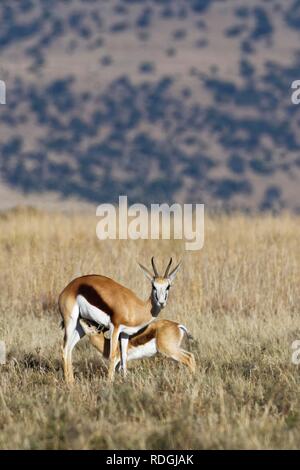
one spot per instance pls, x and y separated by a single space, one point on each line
73 333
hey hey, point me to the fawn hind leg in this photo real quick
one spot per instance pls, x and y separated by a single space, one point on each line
171 347
124 347
185 357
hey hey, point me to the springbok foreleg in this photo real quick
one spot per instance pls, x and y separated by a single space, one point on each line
114 345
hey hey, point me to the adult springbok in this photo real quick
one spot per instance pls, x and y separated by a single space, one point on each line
113 306
161 336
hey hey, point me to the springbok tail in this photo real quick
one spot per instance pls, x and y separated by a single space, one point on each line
185 330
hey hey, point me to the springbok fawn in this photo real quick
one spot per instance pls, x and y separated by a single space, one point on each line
161 336
107 303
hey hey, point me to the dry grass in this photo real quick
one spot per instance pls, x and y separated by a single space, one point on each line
239 297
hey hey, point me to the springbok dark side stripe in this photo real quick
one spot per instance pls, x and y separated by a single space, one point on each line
93 297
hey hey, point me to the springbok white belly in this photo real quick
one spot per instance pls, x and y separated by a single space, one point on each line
144 350
90 312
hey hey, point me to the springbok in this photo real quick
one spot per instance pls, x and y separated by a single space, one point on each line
113 306
161 336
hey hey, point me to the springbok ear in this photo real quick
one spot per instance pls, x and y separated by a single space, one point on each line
89 330
173 273
146 272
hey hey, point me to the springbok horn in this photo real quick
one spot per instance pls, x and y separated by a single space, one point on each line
168 268
154 267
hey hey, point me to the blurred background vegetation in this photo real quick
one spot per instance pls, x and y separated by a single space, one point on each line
162 100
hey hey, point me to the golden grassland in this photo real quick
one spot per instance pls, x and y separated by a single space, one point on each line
239 297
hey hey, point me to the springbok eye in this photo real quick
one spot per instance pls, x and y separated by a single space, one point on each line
168 287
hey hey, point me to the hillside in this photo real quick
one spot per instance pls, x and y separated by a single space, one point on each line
161 100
